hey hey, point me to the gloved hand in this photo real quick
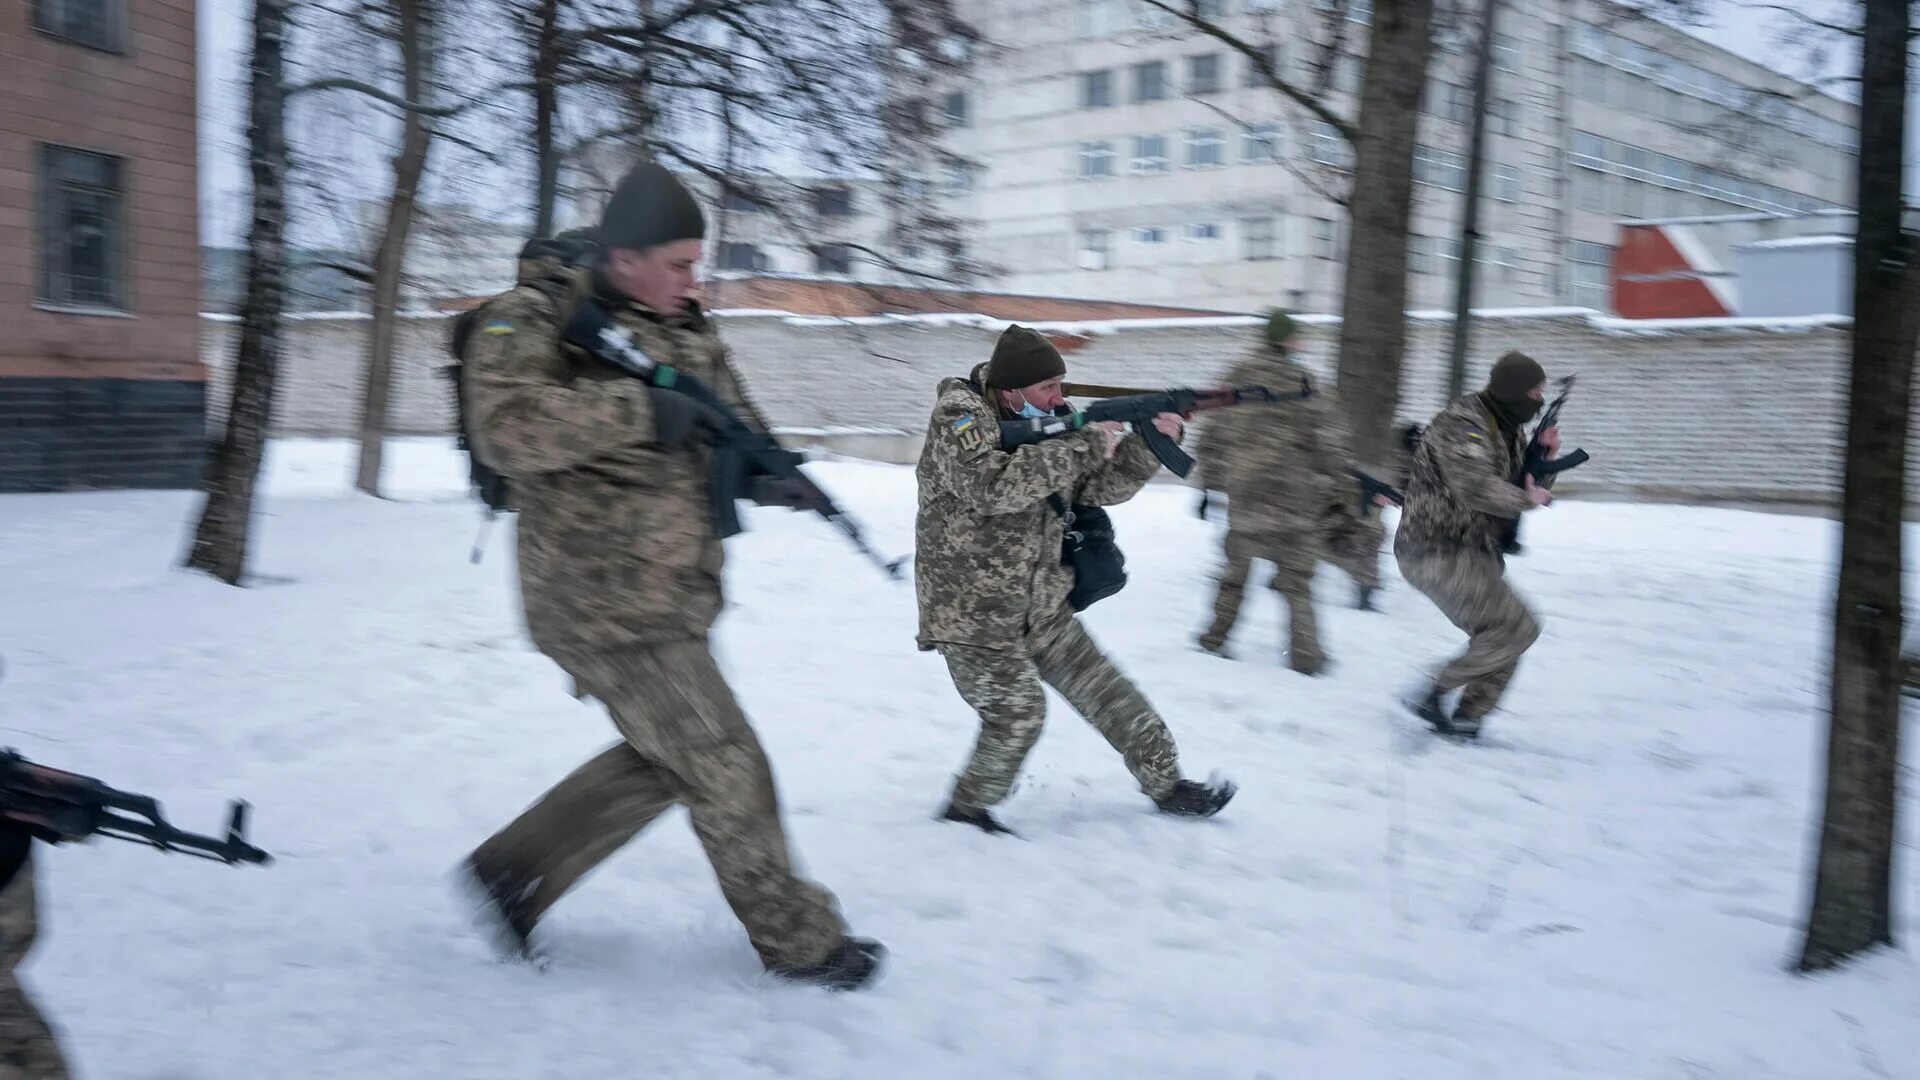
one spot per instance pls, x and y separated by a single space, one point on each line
680 420
792 492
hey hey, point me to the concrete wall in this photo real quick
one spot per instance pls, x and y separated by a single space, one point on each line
1731 410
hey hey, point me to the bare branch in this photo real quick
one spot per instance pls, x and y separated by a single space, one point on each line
1807 20
1263 65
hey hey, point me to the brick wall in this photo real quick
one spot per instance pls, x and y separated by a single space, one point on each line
1702 411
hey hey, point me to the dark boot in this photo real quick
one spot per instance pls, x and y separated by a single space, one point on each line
979 819
856 963
1191 798
1216 646
502 907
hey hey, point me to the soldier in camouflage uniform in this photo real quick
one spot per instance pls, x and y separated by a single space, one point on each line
27 1047
620 576
1449 541
1288 476
993 591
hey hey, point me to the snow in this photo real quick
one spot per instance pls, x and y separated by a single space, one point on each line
1608 887
1786 242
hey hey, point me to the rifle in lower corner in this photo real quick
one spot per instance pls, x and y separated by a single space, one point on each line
62 807
1138 408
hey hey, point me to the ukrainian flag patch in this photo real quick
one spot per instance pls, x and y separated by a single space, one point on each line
497 327
962 424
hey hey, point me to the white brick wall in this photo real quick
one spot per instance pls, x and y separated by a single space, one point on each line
1724 411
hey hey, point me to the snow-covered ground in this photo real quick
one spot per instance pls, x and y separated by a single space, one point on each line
1608 887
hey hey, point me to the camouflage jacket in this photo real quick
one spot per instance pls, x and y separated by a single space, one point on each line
615 542
1462 491
987 567
1285 468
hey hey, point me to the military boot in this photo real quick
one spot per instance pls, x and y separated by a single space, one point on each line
856 963
1191 798
979 819
502 907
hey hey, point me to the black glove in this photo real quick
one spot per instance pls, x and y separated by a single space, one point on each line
792 492
678 419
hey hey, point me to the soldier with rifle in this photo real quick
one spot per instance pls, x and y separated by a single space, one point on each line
1474 475
605 398
1012 542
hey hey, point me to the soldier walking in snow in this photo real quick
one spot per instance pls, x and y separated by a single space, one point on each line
993 591
620 575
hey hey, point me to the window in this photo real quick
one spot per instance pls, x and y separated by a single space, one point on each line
1276 58
1149 234
740 202
1205 148
1096 160
1150 81
1265 5
1260 144
1256 238
93 23
1326 242
1205 230
1506 183
1504 117
1209 9
1328 147
1096 89
1360 11
1419 254
1349 73
1150 154
1098 17
1203 74
1149 17
1506 53
1459 103
738 256
832 259
1590 266
80 229
1589 146
1449 257
958 114
1095 249
833 202
1440 168
1505 262
958 180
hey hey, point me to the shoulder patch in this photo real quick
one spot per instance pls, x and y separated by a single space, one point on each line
497 327
963 423
970 433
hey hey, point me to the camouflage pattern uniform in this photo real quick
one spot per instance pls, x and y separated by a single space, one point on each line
993 592
1287 473
620 577
1448 547
27 1047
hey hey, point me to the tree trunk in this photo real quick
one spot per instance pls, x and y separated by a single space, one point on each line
1470 207
546 115
1373 326
233 465
416 140
1852 901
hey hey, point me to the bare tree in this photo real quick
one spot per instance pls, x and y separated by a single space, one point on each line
1852 902
233 466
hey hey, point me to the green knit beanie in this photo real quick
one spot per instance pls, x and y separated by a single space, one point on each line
1022 357
650 207
1280 328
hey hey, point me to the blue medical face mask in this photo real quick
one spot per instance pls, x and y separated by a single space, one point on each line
1034 412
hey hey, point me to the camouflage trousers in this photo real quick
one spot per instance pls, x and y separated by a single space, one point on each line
1294 557
1470 588
687 742
1004 687
27 1047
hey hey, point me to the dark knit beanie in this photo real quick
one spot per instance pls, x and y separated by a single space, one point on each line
1514 377
1280 328
650 207
1022 357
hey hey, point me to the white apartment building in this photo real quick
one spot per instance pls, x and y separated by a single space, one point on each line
1122 155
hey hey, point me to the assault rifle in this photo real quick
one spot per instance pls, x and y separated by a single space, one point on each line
739 455
62 807
1138 408
1535 463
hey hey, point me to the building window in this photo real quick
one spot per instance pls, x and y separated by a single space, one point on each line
1096 160
1505 116
93 23
1265 5
1326 241
1328 147
1349 74
1098 17
833 202
1589 268
738 256
1420 254
740 202
81 249
1506 183
832 259
1506 53
1204 230
958 180
1449 257
1096 89
1150 154
1256 238
1276 58
1150 17
1206 148
1149 234
1203 74
1095 249
1360 11
1459 103
1439 168
1505 262
1210 9
1150 81
1260 144
958 113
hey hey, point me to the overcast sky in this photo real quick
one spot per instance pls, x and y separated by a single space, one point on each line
225 31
